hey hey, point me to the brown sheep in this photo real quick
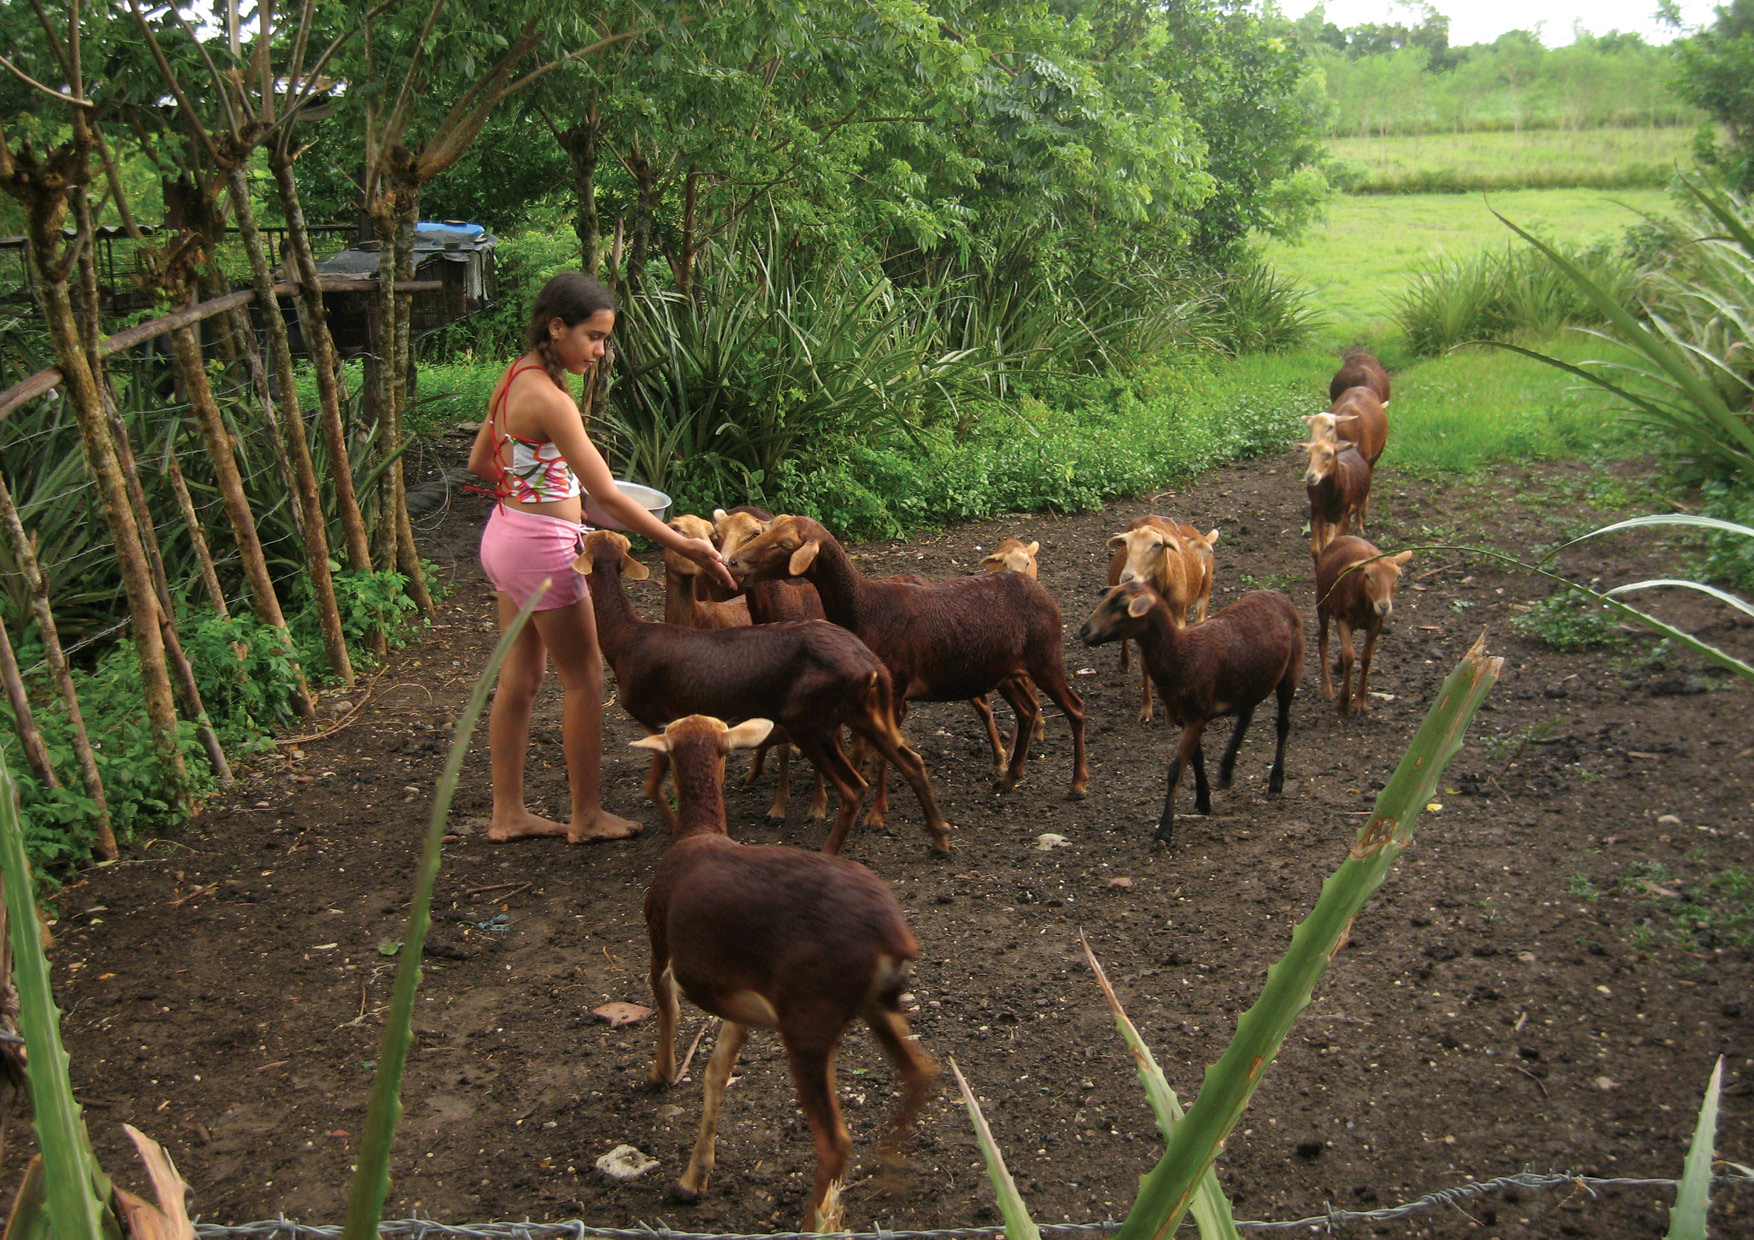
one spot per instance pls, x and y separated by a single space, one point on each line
1360 598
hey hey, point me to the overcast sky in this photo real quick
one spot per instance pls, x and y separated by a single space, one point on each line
1482 21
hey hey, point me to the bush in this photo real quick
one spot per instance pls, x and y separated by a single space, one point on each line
1504 293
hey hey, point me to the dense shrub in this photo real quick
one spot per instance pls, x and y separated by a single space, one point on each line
1502 293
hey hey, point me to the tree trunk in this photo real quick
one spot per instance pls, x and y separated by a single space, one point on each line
309 495
581 144
45 210
314 319
192 526
644 205
237 505
25 556
193 708
394 211
36 752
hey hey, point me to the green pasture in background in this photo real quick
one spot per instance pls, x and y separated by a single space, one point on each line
1534 159
1357 262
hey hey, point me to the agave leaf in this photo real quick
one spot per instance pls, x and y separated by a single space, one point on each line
1018 1224
1652 344
1693 1197
371 1177
169 1219
1210 1207
1722 596
1167 1191
75 1188
1720 210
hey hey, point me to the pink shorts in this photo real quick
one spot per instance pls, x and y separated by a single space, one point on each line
519 550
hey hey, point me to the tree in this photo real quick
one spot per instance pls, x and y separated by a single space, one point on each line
1716 73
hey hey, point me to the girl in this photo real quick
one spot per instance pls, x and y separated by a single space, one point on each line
533 446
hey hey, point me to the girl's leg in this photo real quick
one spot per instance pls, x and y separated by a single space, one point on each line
570 633
508 732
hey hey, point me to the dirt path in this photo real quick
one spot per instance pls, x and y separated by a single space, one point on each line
1515 997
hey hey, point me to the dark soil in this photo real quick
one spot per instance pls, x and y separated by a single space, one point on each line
1513 998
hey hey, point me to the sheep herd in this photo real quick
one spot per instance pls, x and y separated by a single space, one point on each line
812 650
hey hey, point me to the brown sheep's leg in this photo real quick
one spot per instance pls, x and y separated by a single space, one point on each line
1227 764
664 999
819 798
985 711
1346 660
1322 653
1126 658
830 760
811 1057
757 760
913 769
782 791
1050 677
655 788
1186 749
1287 690
917 1075
1362 701
1021 695
718 1075
1145 709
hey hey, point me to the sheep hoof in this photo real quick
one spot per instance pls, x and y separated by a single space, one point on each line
940 846
684 1194
1078 793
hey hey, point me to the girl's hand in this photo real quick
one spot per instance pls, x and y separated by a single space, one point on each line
707 556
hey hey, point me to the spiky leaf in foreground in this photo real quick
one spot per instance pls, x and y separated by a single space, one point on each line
1018 1224
1165 1193
75 1189
1693 1197
1211 1208
371 1177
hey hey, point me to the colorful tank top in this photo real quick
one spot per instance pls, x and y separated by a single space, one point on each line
537 473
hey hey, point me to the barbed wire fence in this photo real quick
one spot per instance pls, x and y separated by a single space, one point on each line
430 1229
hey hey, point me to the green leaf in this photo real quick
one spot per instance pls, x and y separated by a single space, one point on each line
1693 1197
371 1177
76 1190
1211 1208
1018 1224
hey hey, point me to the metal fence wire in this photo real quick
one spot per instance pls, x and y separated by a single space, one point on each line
429 1229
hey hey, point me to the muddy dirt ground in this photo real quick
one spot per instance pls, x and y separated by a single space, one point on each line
1514 998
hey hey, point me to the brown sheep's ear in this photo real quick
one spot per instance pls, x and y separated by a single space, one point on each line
658 743
1345 417
1212 536
1401 559
747 735
582 566
719 514
1139 604
1033 548
993 559
633 569
803 558
1116 542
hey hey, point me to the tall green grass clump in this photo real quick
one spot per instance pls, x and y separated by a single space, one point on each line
1502 293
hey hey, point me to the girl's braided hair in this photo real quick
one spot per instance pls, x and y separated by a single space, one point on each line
572 297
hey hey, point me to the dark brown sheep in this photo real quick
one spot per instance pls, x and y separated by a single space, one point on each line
1227 665
772 937
809 676
1360 598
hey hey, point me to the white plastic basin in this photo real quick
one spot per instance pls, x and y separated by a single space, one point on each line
652 500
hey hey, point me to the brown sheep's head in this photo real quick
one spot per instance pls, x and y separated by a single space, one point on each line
1120 615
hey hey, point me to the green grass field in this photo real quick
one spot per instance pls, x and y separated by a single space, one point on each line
1357 262
1532 159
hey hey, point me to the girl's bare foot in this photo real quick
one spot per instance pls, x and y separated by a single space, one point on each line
523 825
605 826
